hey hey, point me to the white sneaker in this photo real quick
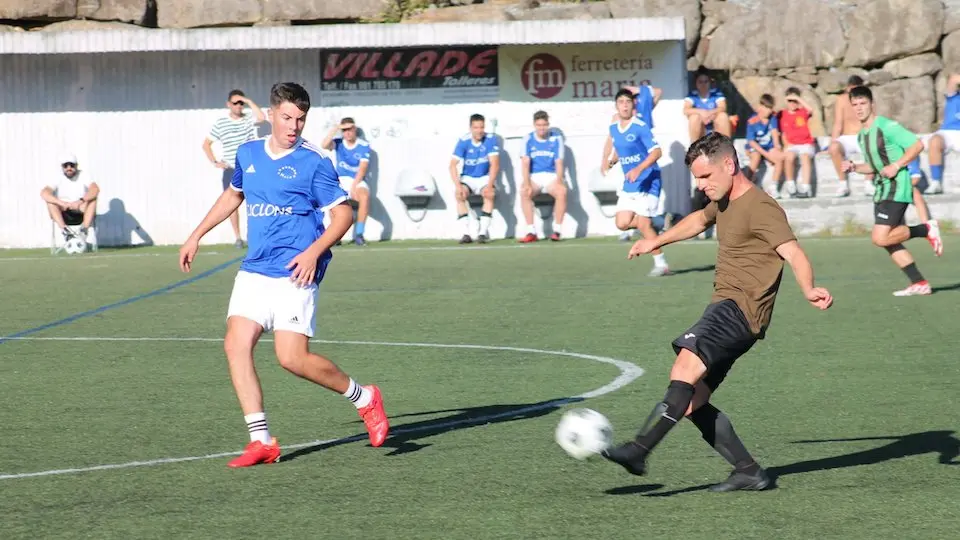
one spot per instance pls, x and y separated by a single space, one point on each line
935 187
917 289
933 236
869 189
658 271
843 191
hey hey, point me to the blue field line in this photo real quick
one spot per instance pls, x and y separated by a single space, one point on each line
108 307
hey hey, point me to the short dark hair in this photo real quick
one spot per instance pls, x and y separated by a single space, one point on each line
540 115
855 80
284 92
235 92
347 120
767 101
793 91
713 146
861 91
477 118
624 92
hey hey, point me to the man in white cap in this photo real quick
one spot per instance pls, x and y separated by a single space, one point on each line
72 198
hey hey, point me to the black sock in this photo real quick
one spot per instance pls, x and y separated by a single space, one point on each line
718 432
912 273
918 231
463 216
665 415
486 214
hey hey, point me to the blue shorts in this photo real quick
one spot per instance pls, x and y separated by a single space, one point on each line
751 149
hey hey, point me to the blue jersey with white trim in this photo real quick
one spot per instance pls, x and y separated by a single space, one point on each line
286 196
543 154
476 155
712 101
633 144
349 159
951 112
643 104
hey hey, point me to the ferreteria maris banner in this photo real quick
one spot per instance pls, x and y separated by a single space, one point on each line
580 72
408 76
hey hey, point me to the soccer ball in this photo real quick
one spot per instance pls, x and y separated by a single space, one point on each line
583 433
75 245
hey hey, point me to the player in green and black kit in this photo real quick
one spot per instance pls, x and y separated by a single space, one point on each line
888 148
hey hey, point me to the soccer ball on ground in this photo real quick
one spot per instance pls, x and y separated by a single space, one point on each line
583 433
75 245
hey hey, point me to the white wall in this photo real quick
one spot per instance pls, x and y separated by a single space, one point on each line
136 122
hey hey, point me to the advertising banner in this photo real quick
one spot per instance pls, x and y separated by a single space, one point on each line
409 76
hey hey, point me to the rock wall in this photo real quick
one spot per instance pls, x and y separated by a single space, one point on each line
903 48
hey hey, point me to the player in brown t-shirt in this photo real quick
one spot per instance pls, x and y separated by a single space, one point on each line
755 238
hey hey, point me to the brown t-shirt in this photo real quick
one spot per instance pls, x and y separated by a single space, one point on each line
749 230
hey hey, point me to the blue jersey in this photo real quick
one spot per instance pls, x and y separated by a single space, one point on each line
761 131
543 154
951 112
349 159
712 101
644 104
476 155
633 144
287 196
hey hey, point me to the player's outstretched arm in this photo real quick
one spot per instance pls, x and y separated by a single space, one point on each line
690 226
802 269
226 204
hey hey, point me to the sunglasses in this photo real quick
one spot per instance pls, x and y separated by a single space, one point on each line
69 165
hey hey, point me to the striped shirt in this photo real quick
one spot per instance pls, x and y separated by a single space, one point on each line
231 134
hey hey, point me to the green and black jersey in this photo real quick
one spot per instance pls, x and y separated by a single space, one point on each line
883 143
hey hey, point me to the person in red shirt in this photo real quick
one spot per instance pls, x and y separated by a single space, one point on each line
794 124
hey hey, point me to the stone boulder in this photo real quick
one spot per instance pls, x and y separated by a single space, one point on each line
908 101
553 11
914 66
197 13
951 21
834 81
950 48
133 11
880 30
79 24
751 40
8 28
317 10
751 88
688 9
37 9
479 12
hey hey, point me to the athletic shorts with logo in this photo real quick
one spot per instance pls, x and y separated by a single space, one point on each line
890 213
275 303
475 184
719 338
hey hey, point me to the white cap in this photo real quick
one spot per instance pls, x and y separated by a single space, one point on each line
68 158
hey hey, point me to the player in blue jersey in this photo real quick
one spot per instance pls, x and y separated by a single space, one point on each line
763 143
646 97
947 138
353 158
641 197
288 184
706 109
542 168
479 155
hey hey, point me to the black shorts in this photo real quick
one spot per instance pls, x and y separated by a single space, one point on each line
72 217
889 213
227 178
719 338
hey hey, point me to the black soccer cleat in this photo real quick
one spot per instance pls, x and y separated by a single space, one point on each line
742 481
465 239
483 239
631 456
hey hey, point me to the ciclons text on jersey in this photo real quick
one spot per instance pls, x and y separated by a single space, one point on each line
268 210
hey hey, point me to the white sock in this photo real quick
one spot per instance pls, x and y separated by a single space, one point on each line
485 225
660 260
557 227
257 426
465 223
531 229
358 395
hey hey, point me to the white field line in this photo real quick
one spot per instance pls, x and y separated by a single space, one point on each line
628 373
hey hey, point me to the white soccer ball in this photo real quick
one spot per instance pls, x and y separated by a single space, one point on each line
75 245
583 433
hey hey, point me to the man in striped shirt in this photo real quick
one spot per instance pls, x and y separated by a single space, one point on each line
231 131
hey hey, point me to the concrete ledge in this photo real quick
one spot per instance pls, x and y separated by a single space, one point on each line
846 215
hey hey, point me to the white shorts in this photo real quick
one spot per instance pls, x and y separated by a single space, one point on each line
802 149
475 185
346 183
850 145
951 140
273 303
641 204
543 180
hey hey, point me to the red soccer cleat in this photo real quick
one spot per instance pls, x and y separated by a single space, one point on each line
933 236
555 237
375 418
255 453
530 237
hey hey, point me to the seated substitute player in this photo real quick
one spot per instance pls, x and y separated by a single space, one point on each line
641 197
480 155
888 148
353 158
947 138
763 143
288 184
72 199
753 233
542 158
